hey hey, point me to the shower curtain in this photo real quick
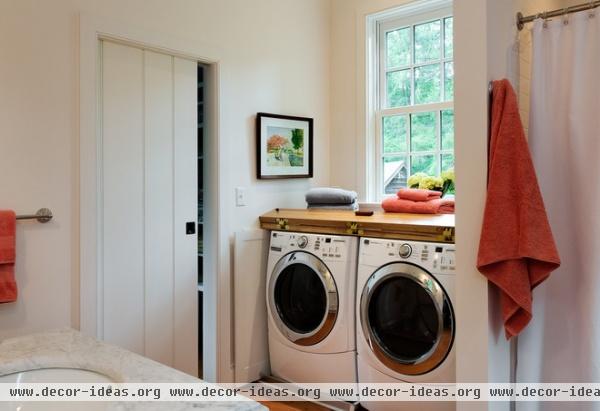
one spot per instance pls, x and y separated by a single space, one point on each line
562 343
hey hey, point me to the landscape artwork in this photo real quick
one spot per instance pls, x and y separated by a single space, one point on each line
284 146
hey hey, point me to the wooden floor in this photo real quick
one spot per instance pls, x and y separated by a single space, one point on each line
293 406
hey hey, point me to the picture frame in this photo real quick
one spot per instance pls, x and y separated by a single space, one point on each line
284 146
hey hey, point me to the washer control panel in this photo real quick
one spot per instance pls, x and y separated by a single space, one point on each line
326 247
435 257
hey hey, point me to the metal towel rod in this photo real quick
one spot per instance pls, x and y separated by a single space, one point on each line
43 215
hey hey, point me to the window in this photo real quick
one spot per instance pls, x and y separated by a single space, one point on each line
413 110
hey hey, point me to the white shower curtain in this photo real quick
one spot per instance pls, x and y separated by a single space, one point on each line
562 343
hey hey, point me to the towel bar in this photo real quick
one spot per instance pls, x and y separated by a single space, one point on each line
43 215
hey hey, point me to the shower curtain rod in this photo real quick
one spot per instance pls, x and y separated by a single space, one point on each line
521 20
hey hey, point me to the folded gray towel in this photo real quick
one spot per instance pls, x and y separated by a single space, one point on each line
328 195
352 207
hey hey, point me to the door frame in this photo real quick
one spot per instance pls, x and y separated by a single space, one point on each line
92 30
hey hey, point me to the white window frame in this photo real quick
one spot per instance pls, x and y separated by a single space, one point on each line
378 25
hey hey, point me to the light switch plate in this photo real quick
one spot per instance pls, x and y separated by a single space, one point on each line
240 196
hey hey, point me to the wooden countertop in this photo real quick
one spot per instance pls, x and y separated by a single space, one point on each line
422 227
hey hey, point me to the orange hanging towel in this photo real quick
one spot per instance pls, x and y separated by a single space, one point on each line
516 249
8 286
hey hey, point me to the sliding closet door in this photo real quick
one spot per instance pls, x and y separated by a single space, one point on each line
148 262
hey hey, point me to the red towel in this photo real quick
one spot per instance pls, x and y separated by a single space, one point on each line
8 286
398 205
415 194
516 249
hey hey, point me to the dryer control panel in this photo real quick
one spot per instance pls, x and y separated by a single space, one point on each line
434 257
326 247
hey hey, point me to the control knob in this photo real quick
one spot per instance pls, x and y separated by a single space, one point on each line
405 250
302 241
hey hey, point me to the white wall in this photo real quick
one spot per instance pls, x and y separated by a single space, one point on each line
275 57
502 62
38 123
471 78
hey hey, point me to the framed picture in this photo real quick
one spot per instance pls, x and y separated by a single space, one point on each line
284 146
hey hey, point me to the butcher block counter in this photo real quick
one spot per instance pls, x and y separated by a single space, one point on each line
419 227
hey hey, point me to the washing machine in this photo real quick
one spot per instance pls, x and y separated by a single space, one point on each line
405 320
311 286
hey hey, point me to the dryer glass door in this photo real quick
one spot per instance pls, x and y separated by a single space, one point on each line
303 298
407 318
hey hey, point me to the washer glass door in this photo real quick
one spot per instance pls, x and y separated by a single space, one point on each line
407 319
303 298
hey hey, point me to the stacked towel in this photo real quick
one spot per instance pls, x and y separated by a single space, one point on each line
417 201
332 199
399 205
414 194
8 286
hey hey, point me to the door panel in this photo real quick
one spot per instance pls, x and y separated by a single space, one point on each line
122 291
149 183
186 246
158 173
